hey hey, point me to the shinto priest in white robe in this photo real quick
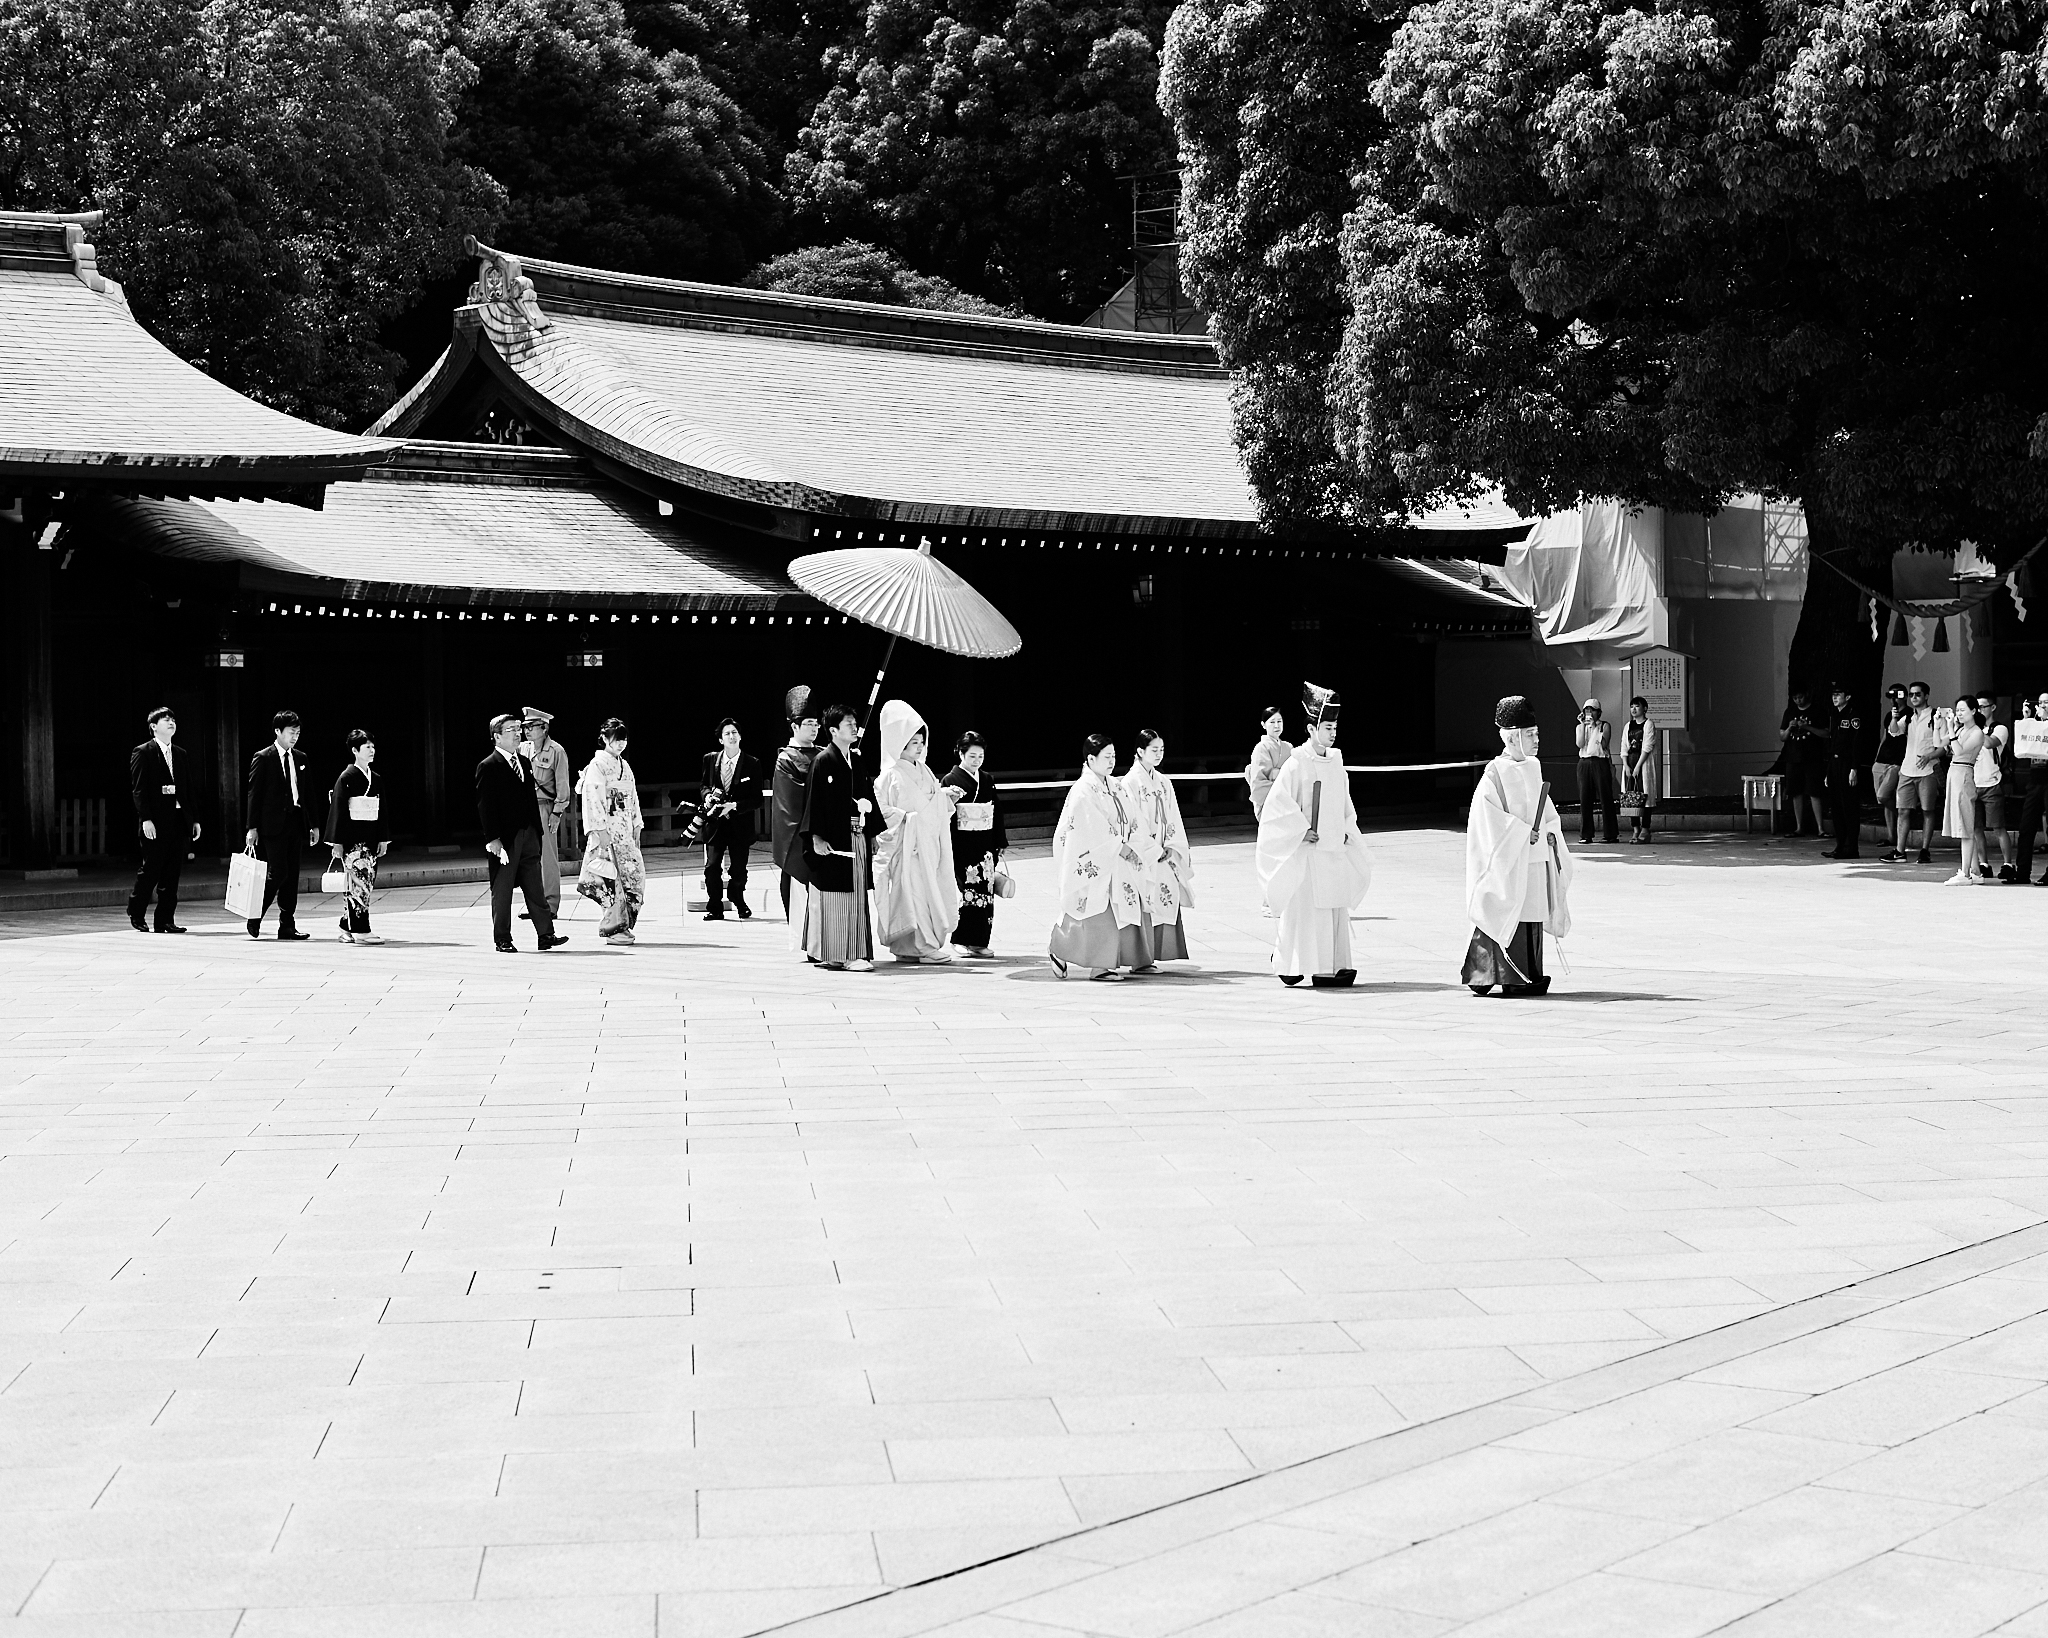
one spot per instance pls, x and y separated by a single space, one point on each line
1518 871
1313 885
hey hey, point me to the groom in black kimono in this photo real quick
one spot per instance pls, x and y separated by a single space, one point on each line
833 834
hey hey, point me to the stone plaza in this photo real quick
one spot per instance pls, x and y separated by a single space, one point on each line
688 1291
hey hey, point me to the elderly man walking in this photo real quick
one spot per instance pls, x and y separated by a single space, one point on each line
511 820
553 784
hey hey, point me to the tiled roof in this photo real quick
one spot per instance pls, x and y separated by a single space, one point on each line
88 396
850 409
462 524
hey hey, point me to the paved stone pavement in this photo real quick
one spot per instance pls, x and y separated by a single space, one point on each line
685 1290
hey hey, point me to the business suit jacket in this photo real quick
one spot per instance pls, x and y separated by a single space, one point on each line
271 809
745 790
505 800
165 796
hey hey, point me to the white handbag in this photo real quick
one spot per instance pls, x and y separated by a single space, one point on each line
334 880
246 876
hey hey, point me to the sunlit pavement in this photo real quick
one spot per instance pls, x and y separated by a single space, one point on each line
417 1289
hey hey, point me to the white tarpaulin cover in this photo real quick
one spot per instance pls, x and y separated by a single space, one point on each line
1595 580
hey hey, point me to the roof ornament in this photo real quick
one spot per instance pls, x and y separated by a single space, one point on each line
505 293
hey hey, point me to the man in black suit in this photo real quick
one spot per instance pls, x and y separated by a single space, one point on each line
282 822
160 780
732 785
510 811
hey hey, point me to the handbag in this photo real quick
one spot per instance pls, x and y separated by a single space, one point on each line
246 877
334 879
1004 885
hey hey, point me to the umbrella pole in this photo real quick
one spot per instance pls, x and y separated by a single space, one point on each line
875 693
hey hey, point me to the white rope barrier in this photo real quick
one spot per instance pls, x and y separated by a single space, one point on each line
1226 778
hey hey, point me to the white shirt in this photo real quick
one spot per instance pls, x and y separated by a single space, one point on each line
291 772
164 745
726 763
518 767
1924 742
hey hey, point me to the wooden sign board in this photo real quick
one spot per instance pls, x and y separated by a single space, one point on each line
1658 675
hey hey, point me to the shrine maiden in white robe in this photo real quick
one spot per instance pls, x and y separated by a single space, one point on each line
917 900
1312 886
1518 872
1104 921
1161 840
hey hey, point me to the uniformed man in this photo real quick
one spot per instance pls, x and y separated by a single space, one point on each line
552 785
160 780
1849 750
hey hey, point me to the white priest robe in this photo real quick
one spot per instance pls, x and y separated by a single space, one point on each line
1312 886
1518 872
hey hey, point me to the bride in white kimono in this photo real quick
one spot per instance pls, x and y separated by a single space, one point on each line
1104 925
1162 842
917 901
1518 872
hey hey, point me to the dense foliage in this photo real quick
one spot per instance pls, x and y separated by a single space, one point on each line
985 141
1669 255
853 271
275 174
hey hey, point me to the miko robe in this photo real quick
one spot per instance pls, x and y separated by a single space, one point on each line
1103 918
1312 886
1161 840
1518 874
917 901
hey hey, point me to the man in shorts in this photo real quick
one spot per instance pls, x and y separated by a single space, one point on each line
2032 783
1891 751
1921 776
1994 813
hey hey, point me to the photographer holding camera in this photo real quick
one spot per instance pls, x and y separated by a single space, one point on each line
1596 774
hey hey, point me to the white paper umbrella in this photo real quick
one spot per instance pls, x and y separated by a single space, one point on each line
908 594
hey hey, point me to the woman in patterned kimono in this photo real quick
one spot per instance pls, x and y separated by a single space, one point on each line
357 834
1162 841
1100 877
978 845
614 875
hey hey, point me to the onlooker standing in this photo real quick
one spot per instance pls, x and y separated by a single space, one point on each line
510 811
789 780
358 832
732 791
979 841
282 823
614 874
1920 782
552 787
1641 768
1269 756
159 780
1959 818
1884 769
1848 747
1596 773
2033 772
1804 763
1992 812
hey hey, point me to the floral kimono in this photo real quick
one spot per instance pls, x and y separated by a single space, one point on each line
614 875
1162 841
1104 920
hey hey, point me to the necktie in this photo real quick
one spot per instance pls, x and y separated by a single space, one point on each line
291 773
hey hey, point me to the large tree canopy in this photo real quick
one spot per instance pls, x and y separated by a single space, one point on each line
274 173
1677 253
852 271
613 155
985 140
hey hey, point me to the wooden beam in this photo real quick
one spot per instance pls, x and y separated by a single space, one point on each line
32 736
434 734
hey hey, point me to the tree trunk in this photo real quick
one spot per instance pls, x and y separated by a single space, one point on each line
1832 643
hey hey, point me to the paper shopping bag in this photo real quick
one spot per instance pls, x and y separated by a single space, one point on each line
246 876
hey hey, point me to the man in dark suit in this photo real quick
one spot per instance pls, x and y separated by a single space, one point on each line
1849 748
510 811
282 821
732 787
160 780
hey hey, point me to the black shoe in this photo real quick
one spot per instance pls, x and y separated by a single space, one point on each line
1837 853
255 928
291 934
1892 856
2006 873
507 949
172 928
1926 857
1347 976
714 915
1290 978
1481 989
525 915
1984 870
1325 981
745 913
138 924
554 941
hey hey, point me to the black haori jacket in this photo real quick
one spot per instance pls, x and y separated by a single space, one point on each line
829 816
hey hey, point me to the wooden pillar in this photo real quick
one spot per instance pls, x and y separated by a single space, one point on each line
227 757
433 736
31 714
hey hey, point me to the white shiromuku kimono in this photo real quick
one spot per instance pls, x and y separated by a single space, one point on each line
1313 887
1161 840
1103 921
613 873
917 901
1518 875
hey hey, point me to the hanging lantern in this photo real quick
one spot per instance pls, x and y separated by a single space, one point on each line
1941 636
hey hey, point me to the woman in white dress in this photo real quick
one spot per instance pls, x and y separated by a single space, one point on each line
613 874
1162 842
1960 819
1103 926
917 901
